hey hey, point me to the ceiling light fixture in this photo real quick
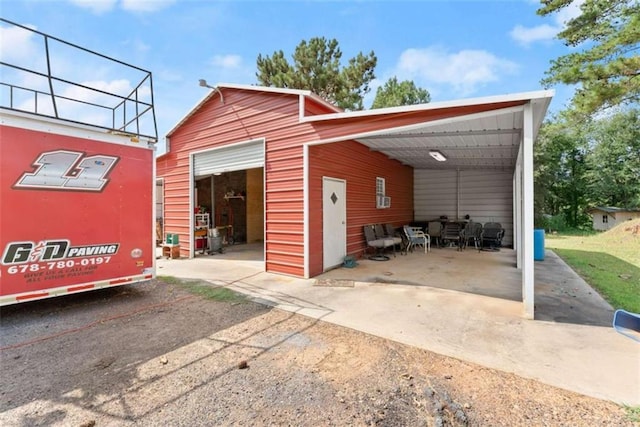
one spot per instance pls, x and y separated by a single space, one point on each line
438 155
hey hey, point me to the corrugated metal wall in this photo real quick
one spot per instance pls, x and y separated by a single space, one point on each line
245 116
484 195
359 166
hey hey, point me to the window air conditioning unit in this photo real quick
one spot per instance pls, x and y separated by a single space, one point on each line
383 202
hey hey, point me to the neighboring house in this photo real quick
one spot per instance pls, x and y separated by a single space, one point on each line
605 218
287 168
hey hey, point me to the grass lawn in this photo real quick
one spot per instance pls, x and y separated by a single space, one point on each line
205 290
609 261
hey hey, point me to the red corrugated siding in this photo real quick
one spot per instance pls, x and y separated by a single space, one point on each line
312 107
359 166
351 126
246 115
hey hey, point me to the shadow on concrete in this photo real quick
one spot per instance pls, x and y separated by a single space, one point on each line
563 296
560 294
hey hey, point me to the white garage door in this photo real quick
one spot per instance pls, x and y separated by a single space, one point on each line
241 156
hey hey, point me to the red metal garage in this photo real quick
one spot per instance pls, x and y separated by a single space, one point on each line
297 166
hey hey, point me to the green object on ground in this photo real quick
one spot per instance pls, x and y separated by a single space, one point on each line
204 289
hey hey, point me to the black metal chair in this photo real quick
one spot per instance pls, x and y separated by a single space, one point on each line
435 231
473 234
452 234
492 234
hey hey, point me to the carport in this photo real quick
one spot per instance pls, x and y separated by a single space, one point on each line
477 163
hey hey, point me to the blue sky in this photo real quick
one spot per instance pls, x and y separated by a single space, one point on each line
454 49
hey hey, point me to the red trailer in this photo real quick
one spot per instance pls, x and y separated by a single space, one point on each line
77 176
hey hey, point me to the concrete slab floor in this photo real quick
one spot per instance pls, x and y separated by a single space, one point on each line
560 295
460 304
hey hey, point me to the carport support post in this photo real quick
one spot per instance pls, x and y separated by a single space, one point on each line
517 211
527 213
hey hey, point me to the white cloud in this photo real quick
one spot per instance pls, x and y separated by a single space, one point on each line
145 5
545 32
529 35
120 87
568 13
96 6
228 69
227 61
464 71
101 6
18 44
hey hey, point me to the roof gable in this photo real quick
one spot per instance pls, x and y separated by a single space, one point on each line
304 96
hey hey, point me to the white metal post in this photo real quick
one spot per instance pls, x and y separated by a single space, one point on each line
517 205
527 213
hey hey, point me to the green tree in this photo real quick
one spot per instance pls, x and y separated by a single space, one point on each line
607 66
317 67
614 160
395 94
560 174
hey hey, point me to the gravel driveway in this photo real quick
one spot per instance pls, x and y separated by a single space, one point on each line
155 354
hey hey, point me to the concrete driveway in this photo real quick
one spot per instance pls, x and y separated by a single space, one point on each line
460 304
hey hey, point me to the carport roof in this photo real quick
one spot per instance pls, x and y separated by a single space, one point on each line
480 133
477 133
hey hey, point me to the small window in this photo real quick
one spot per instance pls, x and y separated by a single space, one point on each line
382 201
380 186
605 219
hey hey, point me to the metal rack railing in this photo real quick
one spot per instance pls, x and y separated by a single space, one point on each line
24 88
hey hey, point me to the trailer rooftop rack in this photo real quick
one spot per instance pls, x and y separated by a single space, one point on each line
48 77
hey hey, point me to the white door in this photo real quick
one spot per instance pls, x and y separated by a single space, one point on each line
334 222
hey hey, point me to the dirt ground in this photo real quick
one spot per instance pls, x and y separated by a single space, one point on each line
153 354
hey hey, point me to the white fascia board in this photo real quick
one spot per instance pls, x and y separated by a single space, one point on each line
524 97
540 108
284 91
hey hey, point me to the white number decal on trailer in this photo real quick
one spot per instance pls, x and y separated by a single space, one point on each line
68 170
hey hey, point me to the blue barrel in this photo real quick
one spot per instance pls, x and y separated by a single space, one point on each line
538 244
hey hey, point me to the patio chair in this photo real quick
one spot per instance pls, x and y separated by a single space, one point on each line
397 237
452 234
417 237
379 245
492 234
386 232
473 234
435 231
